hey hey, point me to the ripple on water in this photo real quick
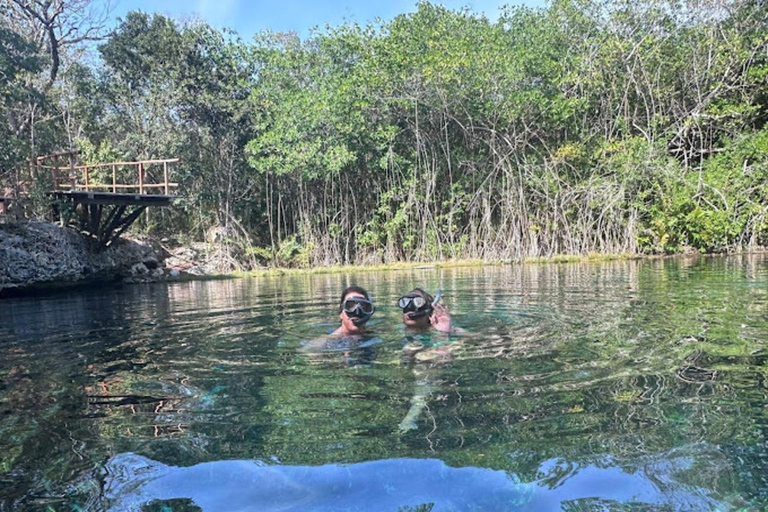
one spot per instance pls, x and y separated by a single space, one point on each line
572 381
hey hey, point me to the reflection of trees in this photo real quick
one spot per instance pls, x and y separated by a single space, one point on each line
569 362
575 361
54 342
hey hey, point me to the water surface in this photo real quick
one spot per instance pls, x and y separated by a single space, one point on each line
610 386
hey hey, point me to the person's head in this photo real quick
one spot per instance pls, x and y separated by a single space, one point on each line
417 308
355 309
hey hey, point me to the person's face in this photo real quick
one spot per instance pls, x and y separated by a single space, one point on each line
346 321
421 322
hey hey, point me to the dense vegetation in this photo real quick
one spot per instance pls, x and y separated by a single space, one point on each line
585 126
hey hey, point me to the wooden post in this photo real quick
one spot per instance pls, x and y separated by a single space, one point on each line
165 174
17 189
141 178
55 176
114 178
86 178
72 176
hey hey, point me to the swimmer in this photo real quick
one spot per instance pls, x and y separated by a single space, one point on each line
355 309
422 316
422 313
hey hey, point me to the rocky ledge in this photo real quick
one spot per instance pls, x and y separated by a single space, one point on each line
39 255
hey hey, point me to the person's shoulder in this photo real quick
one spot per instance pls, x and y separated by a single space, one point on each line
320 343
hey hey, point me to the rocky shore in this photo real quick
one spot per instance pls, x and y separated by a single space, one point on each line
43 256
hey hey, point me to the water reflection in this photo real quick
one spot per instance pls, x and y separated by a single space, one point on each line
655 369
404 484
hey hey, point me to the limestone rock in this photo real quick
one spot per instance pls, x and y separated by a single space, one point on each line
43 255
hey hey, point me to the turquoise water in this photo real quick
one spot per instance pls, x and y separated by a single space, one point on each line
626 386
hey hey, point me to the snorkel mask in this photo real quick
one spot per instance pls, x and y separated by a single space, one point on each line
358 309
417 305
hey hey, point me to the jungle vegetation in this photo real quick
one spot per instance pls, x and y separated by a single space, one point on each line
586 126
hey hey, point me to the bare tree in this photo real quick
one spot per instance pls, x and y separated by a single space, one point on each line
58 24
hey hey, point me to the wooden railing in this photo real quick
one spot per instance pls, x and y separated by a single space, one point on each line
81 177
145 177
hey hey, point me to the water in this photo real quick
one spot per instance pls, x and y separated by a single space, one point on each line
626 386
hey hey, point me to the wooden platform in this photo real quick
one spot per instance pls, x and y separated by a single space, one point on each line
112 198
84 197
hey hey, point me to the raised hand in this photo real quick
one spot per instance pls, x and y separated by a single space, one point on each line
441 319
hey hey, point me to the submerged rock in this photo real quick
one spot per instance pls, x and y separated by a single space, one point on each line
40 255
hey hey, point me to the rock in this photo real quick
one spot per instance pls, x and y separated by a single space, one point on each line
144 273
182 260
151 264
195 260
196 270
43 255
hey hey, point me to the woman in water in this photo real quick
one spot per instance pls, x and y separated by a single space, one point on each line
422 313
427 344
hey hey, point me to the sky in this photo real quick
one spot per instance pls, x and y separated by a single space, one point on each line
247 17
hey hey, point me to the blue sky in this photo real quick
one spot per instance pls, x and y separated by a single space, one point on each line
248 17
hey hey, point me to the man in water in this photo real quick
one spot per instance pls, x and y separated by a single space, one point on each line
355 309
352 338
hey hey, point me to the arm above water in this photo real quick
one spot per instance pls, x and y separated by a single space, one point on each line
441 319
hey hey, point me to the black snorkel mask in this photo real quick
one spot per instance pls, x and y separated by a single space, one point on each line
358 309
418 306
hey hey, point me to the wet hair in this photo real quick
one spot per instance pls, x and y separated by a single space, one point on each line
422 293
353 289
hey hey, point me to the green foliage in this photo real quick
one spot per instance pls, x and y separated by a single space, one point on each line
721 206
18 61
174 505
262 254
291 253
17 58
583 127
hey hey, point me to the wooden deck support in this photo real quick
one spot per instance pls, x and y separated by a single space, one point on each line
106 215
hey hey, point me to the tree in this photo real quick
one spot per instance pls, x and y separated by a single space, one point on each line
183 90
58 25
17 59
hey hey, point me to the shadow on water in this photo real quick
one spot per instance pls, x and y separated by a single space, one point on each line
617 386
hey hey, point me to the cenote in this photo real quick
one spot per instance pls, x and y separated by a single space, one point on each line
631 386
